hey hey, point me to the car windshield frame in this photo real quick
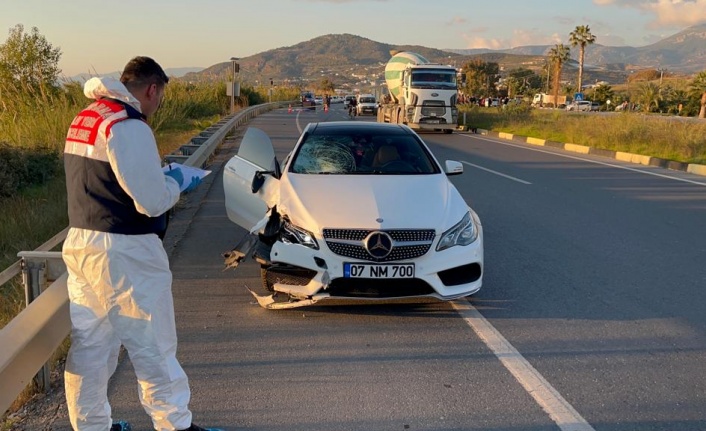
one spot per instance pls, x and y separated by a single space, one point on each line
359 152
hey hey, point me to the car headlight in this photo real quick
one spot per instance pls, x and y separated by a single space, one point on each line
292 234
462 233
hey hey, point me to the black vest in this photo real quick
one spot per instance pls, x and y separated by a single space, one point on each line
95 198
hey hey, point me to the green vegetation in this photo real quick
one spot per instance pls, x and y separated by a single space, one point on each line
581 37
651 135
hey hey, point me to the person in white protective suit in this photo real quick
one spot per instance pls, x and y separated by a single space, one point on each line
119 280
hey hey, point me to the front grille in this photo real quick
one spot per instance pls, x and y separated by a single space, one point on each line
375 288
397 253
407 243
432 108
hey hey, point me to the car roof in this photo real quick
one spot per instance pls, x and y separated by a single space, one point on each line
356 127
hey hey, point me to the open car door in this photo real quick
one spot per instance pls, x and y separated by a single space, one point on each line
251 180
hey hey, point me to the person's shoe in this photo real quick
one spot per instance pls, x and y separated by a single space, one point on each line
198 428
121 426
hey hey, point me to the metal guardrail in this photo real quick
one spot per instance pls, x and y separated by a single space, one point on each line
32 337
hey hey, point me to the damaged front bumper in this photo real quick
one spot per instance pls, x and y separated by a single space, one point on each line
299 276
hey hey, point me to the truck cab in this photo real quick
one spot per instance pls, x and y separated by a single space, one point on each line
429 96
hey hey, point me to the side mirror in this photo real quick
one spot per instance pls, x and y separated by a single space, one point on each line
453 167
258 180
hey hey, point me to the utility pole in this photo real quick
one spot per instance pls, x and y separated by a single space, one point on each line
235 68
548 64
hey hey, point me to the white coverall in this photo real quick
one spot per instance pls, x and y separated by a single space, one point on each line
120 290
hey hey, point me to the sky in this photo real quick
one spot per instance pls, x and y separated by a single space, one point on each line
100 36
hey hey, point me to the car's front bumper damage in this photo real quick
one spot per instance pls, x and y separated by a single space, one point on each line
301 276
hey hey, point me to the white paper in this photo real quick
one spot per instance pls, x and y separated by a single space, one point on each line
188 171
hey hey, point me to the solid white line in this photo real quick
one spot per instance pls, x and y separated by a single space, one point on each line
561 412
587 160
496 173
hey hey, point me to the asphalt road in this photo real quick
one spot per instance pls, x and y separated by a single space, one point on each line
590 317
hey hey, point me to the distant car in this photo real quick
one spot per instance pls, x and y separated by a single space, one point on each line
308 100
347 100
359 211
580 105
367 105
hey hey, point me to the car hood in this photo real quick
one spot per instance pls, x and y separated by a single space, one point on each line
315 202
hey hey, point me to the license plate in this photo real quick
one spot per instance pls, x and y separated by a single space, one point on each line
370 270
433 121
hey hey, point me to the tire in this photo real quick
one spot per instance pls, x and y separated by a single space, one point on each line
448 131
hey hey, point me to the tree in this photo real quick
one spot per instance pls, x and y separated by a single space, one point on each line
581 37
649 96
698 89
558 55
602 94
325 86
481 77
523 81
28 61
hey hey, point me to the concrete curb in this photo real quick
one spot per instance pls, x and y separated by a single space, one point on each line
617 155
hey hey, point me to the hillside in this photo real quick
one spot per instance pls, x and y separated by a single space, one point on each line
343 58
683 52
353 61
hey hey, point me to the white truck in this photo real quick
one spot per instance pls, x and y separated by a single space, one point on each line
547 100
422 95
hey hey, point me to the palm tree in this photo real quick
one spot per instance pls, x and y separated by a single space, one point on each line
558 55
698 89
581 37
648 95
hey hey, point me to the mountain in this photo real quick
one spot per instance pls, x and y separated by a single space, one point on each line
352 61
339 57
683 52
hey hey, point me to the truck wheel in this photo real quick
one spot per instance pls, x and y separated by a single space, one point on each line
448 131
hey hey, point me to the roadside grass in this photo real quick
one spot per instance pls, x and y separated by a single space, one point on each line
671 138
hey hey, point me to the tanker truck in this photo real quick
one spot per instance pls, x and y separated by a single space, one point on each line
422 95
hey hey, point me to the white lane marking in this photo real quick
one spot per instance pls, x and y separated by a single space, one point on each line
587 160
496 173
551 401
299 127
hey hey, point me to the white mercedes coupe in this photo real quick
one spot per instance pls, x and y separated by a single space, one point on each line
357 210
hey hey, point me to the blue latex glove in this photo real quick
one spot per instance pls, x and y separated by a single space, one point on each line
195 181
176 174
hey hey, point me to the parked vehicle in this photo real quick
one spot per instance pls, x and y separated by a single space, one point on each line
583 105
422 94
547 100
359 211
